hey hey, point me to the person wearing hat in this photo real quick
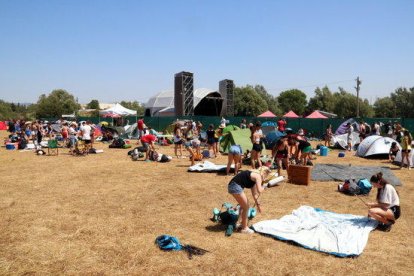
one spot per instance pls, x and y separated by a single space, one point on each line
72 136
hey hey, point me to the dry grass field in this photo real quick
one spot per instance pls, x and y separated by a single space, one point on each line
100 214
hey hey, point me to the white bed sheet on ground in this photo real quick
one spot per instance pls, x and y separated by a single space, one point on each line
342 235
208 166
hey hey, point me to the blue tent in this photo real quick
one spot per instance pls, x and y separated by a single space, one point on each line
272 137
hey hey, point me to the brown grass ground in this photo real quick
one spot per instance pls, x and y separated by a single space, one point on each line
100 214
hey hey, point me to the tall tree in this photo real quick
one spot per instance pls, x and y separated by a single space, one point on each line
93 104
323 100
293 99
403 99
248 102
134 106
272 103
6 112
55 104
345 105
384 108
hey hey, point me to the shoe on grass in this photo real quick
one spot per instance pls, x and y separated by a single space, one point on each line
246 231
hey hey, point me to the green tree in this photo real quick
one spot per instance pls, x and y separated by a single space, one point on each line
272 103
134 106
403 99
345 105
323 100
248 102
293 99
384 108
55 104
94 104
6 111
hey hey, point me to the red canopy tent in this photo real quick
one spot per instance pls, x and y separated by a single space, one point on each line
291 114
3 126
316 115
267 114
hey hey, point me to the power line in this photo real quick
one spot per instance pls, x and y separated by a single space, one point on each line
313 85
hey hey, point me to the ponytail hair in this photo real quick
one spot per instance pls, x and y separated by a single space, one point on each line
376 177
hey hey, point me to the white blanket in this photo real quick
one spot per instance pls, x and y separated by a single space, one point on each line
342 235
207 166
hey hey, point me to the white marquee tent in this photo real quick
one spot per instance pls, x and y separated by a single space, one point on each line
117 110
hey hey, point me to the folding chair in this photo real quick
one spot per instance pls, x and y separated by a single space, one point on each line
52 147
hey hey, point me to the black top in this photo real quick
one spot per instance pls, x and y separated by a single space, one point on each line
243 179
210 133
303 144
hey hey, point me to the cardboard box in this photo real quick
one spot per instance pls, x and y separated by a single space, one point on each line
299 174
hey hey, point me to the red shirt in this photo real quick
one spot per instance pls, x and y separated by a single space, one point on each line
281 125
140 124
148 138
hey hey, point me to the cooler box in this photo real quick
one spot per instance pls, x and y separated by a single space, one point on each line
324 151
12 146
299 174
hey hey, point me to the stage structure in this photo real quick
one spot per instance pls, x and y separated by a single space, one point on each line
226 89
184 94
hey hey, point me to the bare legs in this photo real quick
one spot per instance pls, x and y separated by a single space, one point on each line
381 215
244 207
237 163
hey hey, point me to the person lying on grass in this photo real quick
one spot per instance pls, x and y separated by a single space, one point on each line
254 181
387 208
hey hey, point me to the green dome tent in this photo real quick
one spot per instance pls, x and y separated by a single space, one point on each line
236 137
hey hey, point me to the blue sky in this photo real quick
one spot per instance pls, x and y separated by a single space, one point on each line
114 50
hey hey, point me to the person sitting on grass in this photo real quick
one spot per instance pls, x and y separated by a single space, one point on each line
235 154
393 151
387 208
252 180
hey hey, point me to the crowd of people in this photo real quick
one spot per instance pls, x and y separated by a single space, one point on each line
189 136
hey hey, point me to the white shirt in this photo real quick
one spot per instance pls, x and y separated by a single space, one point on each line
86 132
389 196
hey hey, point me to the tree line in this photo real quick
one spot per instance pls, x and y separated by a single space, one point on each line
248 101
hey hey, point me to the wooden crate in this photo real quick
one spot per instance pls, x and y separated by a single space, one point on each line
299 174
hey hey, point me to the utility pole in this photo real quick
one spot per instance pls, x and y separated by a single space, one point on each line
358 81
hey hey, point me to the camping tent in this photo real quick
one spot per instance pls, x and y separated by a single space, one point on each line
236 137
341 140
268 126
230 128
3 126
132 131
399 156
342 128
375 145
268 114
316 115
291 114
272 137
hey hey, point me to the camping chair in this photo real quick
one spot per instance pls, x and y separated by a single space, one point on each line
80 148
52 147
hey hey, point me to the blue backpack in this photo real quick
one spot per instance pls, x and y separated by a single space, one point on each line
168 243
364 186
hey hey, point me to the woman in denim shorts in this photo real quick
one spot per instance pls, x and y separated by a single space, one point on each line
252 180
235 153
